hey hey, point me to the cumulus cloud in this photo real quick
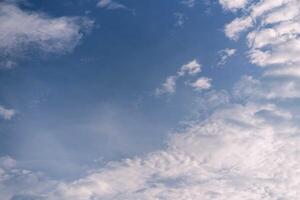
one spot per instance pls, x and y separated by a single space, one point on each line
202 83
6 113
233 5
191 68
22 31
225 54
110 5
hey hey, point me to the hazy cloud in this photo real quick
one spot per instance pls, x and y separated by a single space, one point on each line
225 54
180 19
110 5
189 3
6 113
169 86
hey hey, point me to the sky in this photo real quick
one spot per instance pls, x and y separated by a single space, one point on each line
149 100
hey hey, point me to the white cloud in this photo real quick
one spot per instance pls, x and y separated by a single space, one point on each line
264 6
225 54
193 67
169 86
276 43
233 5
237 26
22 31
273 39
202 83
110 5
6 113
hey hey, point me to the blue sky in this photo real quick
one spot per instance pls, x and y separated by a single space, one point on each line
103 92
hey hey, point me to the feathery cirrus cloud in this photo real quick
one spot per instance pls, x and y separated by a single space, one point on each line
110 5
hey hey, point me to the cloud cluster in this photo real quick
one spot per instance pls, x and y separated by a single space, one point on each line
273 37
190 68
22 31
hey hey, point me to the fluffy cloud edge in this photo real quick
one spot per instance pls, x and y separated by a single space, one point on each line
23 31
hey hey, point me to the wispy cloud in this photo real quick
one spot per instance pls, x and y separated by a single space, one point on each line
6 113
180 19
23 30
169 86
17 183
191 68
225 54
189 3
110 5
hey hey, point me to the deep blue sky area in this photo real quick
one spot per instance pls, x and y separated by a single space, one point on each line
80 109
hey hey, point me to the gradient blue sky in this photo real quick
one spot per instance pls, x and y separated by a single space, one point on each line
98 101
85 82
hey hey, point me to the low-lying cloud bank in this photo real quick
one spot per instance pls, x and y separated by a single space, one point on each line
241 152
